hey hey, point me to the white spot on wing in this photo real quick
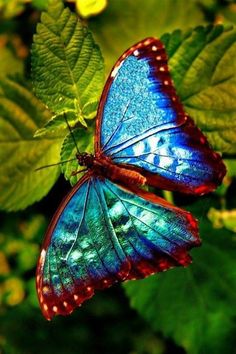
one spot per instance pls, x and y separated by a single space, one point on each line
147 42
45 306
45 289
139 148
116 69
152 142
150 158
42 257
165 161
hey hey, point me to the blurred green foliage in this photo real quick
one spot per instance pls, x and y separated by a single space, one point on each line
182 311
206 290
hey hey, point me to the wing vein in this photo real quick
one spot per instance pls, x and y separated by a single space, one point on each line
117 128
81 220
135 228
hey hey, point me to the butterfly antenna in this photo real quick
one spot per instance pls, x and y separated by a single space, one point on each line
71 132
54 164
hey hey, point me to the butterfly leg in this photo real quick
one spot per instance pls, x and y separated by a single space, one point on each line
74 173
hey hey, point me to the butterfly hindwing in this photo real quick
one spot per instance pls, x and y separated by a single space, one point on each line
80 253
153 234
103 233
142 124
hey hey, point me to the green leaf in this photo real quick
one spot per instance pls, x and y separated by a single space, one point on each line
20 154
126 22
9 63
203 67
84 141
195 306
231 167
67 65
57 126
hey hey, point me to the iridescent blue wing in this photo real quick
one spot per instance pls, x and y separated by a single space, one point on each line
141 123
103 233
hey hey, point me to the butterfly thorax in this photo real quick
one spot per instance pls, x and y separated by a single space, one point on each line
103 166
85 159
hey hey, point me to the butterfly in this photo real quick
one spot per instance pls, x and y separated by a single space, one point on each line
108 228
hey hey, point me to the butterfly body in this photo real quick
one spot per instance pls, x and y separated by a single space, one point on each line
108 229
103 167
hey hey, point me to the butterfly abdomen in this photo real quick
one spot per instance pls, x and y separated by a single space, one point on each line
116 173
126 176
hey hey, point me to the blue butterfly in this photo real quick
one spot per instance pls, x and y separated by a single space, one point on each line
108 229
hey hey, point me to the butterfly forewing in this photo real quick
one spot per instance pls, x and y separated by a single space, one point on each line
103 233
141 123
